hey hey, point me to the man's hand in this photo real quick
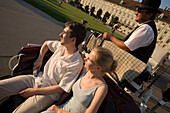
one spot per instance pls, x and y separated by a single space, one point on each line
28 92
37 64
107 36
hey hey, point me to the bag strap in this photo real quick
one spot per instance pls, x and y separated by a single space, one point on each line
11 59
116 79
118 82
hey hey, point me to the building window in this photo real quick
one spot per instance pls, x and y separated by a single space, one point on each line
168 41
161 38
120 12
133 25
165 32
163 23
159 29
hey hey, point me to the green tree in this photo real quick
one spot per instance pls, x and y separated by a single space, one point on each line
106 16
99 13
77 3
92 11
80 6
114 20
71 2
87 9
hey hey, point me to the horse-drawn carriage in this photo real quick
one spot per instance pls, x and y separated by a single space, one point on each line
128 76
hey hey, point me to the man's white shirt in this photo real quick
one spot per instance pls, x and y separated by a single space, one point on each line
141 37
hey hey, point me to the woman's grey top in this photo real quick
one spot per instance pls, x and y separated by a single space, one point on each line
81 99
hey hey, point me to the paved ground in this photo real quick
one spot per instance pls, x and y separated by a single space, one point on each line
20 23
160 84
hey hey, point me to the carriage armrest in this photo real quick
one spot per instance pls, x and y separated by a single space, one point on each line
31 44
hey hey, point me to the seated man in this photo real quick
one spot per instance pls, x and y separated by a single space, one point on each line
60 72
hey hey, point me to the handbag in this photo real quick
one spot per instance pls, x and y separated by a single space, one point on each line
26 58
117 100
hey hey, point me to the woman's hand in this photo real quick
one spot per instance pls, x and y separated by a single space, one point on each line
28 92
54 109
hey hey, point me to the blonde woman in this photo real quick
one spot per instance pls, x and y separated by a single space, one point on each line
90 89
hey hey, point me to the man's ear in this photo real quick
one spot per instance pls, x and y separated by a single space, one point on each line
150 14
73 39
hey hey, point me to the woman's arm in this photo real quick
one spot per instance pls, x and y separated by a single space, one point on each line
97 100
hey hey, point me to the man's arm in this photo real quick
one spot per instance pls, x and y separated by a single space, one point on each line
116 41
38 62
41 91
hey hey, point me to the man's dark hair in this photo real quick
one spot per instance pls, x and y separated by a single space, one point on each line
77 30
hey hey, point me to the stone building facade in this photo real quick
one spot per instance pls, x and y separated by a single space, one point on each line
125 11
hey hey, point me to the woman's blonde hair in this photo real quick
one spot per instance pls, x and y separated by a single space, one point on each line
104 58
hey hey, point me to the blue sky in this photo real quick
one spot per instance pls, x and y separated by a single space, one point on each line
164 3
